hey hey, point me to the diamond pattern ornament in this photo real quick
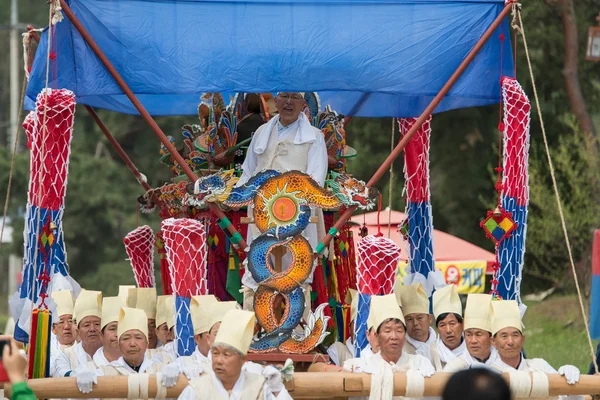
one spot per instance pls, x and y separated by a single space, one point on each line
498 225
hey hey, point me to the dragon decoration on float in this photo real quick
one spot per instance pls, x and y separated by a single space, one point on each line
281 212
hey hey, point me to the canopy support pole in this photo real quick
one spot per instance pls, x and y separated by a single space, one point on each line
425 114
231 231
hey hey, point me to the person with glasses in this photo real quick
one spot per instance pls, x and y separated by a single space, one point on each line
63 328
287 142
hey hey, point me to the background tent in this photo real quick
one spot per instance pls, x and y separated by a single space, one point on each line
365 57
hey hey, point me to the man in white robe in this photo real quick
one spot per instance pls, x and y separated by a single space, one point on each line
287 142
63 330
478 335
508 338
447 311
165 323
227 379
420 336
87 310
391 333
109 352
145 299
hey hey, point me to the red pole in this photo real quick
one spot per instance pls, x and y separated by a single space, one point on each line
385 166
144 113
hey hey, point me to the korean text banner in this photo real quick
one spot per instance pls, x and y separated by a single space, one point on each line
468 276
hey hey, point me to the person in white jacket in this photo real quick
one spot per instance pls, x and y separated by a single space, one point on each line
227 380
109 352
447 311
63 330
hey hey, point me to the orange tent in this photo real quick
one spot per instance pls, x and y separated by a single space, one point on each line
446 248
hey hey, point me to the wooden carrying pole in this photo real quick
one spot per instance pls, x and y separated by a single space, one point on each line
425 114
144 113
304 385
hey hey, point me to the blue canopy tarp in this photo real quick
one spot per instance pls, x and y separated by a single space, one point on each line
401 52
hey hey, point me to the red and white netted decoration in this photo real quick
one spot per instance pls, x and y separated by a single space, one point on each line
377 262
139 245
186 249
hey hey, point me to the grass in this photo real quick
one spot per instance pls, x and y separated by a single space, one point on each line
555 331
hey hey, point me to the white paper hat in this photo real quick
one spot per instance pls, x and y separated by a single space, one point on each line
353 304
124 291
219 310
383 308
88 303
64 302
145 299
132 318
237 329
446 300
111 308
478 312
414 299
201 308
505 314
398 285
165 311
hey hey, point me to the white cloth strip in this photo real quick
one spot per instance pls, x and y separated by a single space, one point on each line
415 384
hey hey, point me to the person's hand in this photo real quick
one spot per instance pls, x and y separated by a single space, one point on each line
426 369
170 374
193 371
85 378
14 362
273 376
571 373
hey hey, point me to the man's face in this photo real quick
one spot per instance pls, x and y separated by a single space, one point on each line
450 331
64 329
509 343
213 332
203 342
162 332
479 343
289 105
226 363
89 330
152 338
373 340
109 335
417 326
133 345
391 337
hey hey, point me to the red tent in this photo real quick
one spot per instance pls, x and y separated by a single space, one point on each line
446 248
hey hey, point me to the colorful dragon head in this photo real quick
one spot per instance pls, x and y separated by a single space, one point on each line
211 188
352 192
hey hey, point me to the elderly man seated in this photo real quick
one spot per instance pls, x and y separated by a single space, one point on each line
133 342
478 335
227 379
447 311
389 325
508 338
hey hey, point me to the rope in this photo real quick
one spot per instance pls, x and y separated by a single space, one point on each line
520 384
14 157
557 195
391 180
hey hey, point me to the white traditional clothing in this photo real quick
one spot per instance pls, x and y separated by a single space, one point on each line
249 386
196 358
414 346
446 355
56 350
340 352
70 359
466 361
120 367
287 148
376 364
99 358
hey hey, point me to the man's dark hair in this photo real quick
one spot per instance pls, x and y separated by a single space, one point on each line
391 319
443 316
253 103
476 384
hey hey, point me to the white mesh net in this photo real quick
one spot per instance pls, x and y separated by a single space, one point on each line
139 245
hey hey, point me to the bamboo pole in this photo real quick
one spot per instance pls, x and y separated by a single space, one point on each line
304 385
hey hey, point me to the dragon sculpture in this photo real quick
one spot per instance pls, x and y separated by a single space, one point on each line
282 204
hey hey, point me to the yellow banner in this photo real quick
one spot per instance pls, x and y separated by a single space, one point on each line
468 276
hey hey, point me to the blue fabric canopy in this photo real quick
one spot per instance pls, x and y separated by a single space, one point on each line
398 52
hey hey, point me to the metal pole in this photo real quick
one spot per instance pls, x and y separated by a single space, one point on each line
144 113
425 114
14 74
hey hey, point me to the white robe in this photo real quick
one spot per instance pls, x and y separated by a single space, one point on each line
120 367
70 359
99 358
413 346
210 387
466 361
56 350
445 355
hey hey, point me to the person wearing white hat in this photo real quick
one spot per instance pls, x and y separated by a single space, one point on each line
63 329
478 335
420 336
340 352
109 352
133 341
447 311
286 143
145 299
87 313
389 324
201 308
165 325
227 379
508 338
